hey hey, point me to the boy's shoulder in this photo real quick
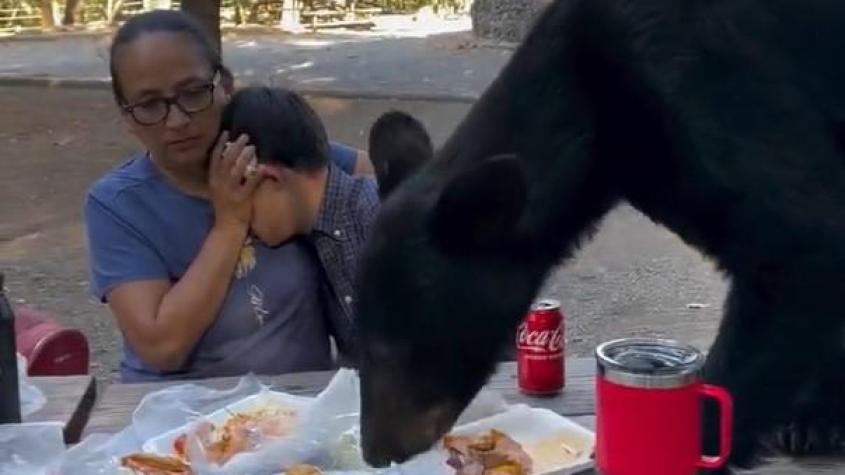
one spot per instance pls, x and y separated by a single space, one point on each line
365 192
351 190
351 198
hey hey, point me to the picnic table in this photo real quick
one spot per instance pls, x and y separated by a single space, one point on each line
114 409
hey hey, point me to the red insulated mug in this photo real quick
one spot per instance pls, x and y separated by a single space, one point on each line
649 409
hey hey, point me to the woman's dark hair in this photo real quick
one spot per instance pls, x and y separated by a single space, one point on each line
163 21
281 125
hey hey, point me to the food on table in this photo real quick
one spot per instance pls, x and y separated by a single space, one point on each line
551 452
180 446
242 432
302 469
493 453
345 453
148 464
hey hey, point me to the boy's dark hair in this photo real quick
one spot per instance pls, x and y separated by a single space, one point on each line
399 145
163 21
281 125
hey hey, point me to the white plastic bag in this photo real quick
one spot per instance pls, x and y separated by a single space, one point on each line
98 454
176 406
31 448
331 413
333 421
158 412
32 398
327 435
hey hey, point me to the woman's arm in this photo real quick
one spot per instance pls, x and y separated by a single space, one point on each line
350 159
163 321
363 165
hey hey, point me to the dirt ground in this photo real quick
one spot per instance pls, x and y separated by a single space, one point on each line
634 278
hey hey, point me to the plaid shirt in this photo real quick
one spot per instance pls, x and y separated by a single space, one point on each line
348 210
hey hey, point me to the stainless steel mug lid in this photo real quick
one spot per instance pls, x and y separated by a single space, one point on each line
649 363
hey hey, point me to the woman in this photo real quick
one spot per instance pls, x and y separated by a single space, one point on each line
168 230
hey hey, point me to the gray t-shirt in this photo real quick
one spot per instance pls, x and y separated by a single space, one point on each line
140 227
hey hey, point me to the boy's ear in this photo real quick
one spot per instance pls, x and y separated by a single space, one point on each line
279 175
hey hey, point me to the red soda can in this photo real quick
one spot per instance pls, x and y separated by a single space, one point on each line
540 349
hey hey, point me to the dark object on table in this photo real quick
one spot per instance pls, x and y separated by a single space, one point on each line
10 405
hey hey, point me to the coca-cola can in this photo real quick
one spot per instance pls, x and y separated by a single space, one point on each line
540 350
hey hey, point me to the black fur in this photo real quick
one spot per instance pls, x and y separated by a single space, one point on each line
719 119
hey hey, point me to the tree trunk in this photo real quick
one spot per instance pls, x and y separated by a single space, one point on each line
48 21
253 13
238 15
71 8
208 13
112 9
290 20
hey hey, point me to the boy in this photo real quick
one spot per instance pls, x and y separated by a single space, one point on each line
303 195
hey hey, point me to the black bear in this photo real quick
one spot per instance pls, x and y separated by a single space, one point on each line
723 120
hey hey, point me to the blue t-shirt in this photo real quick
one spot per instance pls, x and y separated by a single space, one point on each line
271 321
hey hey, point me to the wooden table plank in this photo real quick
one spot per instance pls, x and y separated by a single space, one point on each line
114 409
576 399
70 400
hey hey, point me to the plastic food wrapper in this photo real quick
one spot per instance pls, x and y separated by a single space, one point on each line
157 413
32 398
334 421
325 432
327 435
170 408
31 448
98 454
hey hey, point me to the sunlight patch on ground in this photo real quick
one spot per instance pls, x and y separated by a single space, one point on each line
312 43
302 65
246 44
295 67
419 25
319 80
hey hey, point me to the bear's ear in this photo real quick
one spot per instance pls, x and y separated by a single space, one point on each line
399 145
479 209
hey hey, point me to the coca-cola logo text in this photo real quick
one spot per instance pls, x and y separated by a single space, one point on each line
550 341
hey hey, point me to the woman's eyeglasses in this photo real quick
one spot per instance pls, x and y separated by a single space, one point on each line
190 101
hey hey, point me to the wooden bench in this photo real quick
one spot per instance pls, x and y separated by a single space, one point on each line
367 11
317 19
14 19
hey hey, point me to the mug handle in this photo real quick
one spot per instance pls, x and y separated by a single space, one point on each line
725 425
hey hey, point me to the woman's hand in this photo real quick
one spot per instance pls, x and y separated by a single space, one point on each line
232 179
162 320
